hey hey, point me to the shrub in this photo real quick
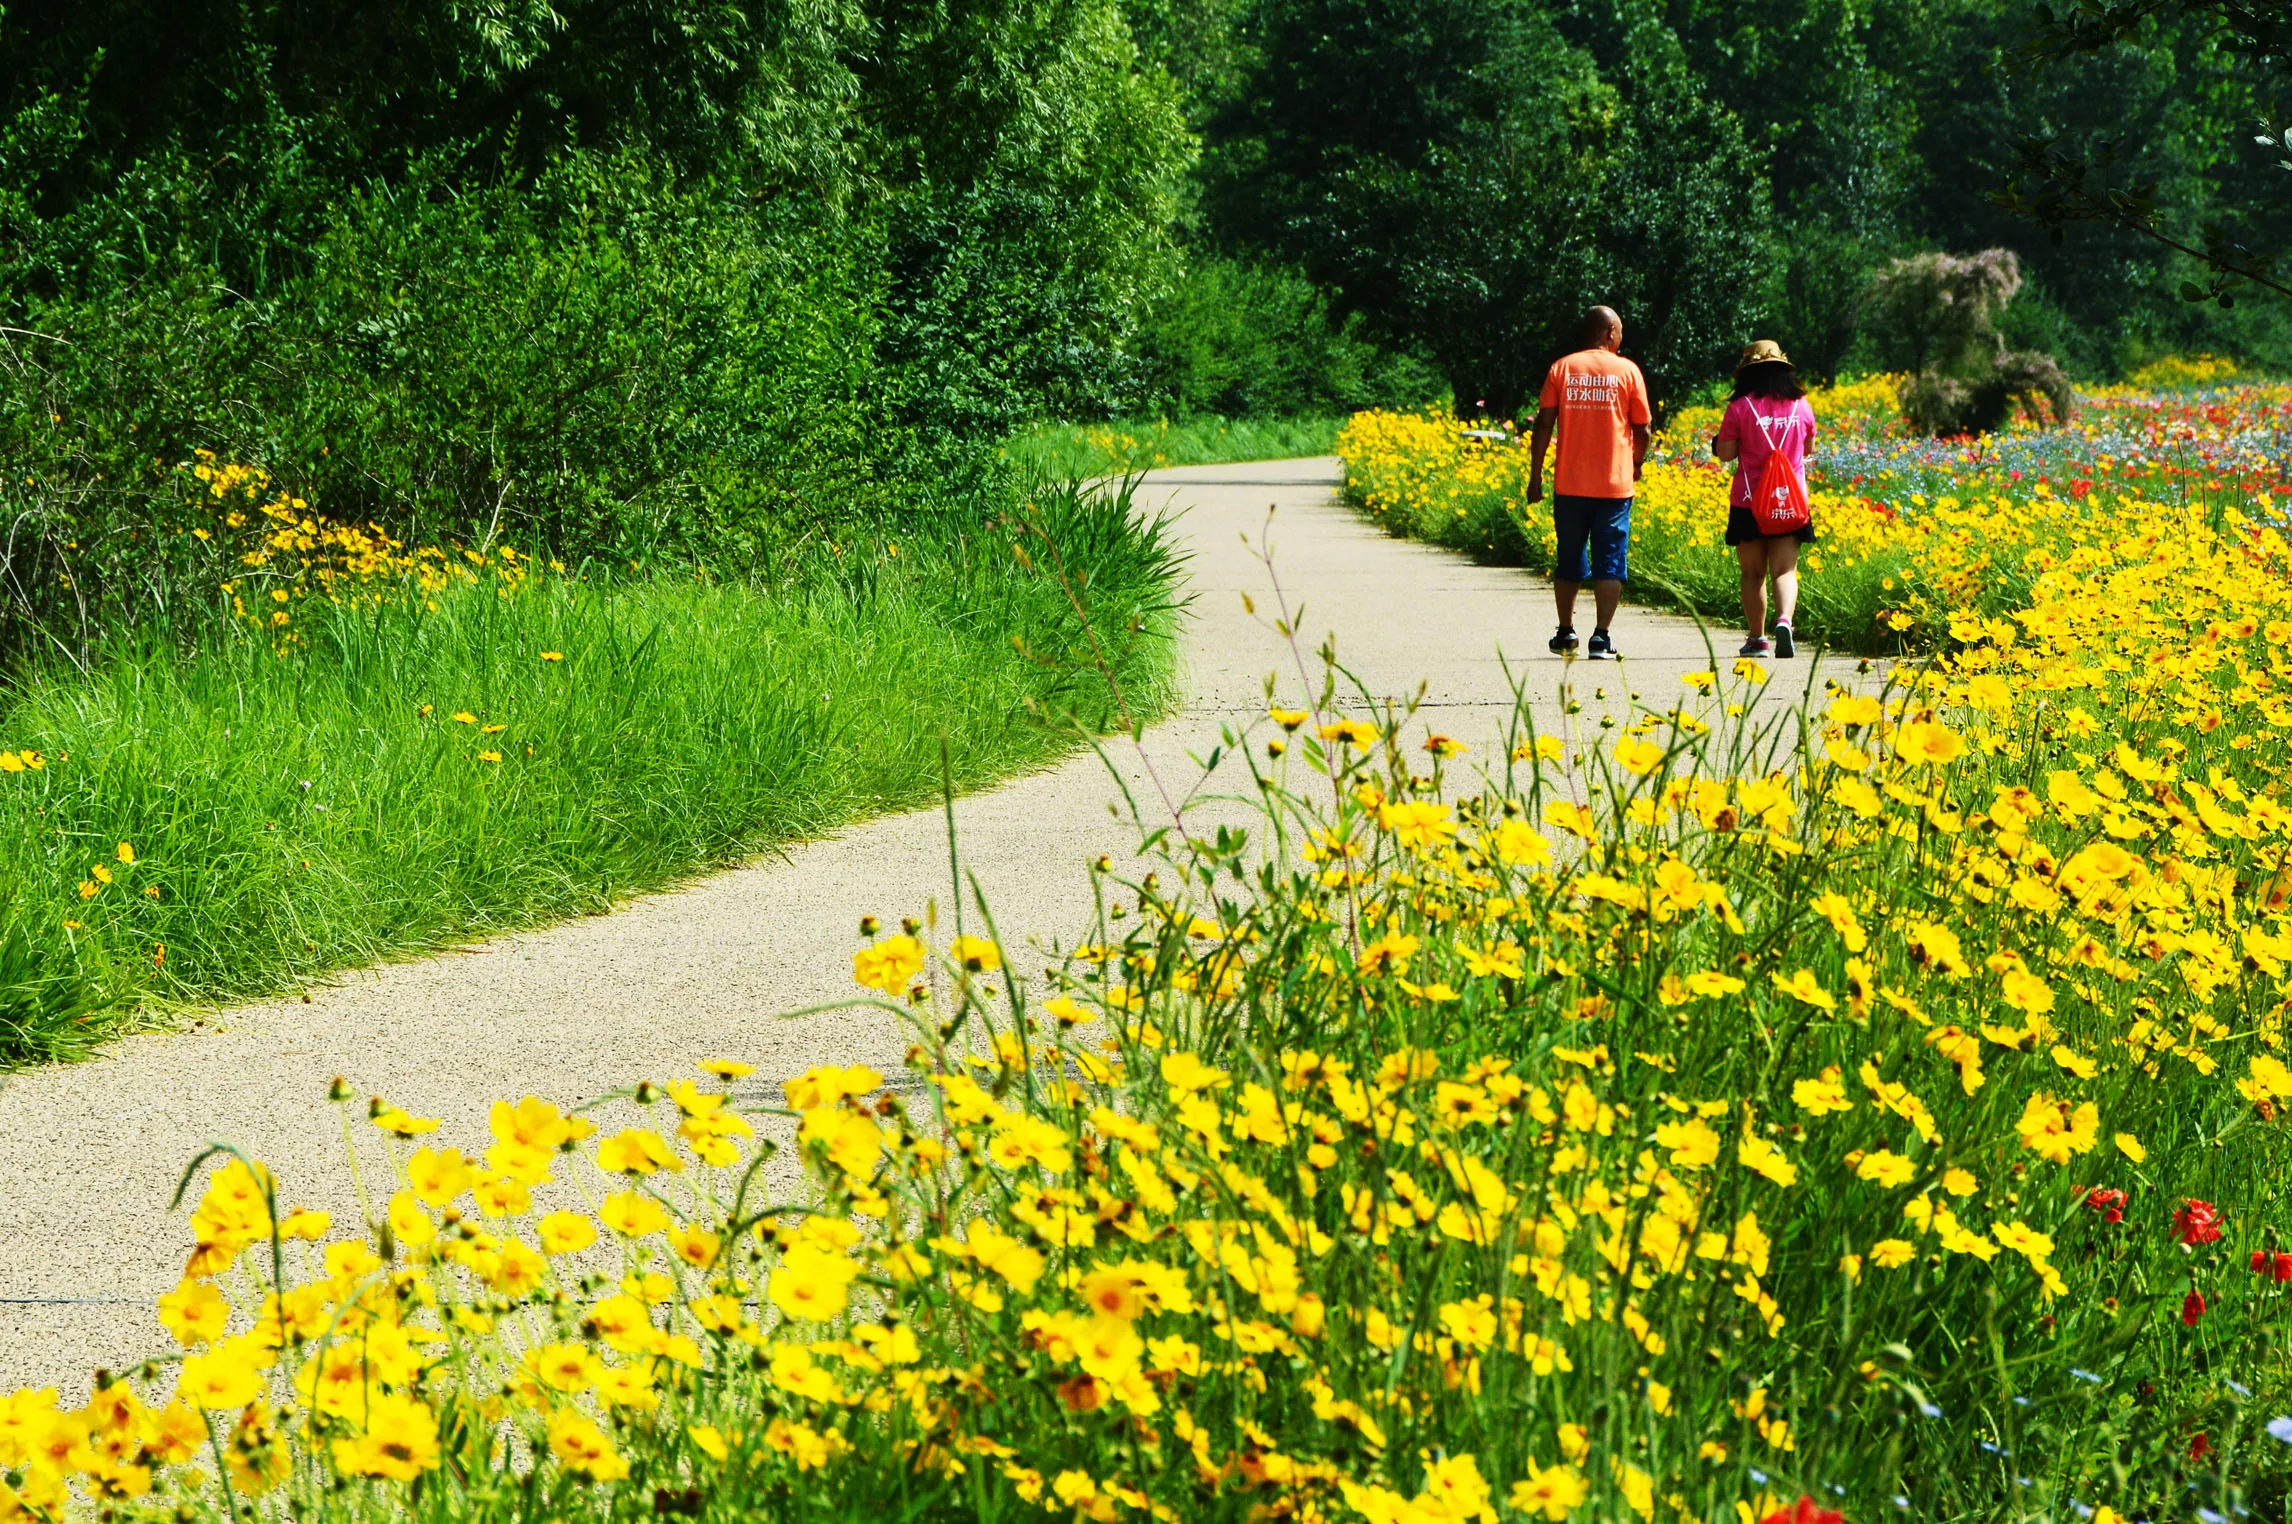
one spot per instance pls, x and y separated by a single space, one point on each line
601 362
1239 340
1936 316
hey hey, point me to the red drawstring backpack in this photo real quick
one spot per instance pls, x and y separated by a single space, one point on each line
1779 501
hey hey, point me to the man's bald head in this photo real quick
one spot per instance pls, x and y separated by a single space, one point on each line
1602 329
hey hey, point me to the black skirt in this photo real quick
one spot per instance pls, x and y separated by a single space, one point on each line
1742 529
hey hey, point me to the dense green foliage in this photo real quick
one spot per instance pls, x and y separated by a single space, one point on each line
410 776
624 282
1466 179
1240 338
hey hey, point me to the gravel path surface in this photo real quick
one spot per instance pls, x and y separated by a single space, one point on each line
90 1154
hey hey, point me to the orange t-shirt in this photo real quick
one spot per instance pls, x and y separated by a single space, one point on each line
1599 395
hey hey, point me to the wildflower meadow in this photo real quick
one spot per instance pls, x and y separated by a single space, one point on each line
1872 1111
1912 530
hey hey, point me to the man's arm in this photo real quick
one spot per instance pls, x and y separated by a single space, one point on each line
1641 437
1539 440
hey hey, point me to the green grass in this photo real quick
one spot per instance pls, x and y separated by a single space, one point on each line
1060 450
326 809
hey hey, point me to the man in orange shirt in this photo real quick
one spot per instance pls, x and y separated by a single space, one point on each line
1599 401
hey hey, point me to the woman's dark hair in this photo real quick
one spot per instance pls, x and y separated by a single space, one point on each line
1769 378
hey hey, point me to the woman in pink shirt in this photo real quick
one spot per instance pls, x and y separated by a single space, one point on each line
1768 413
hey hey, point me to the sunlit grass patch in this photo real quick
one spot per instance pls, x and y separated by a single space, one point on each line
1106 449
378 773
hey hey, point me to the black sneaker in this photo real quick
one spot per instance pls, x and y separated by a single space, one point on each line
1784 645
1563 642
1602 648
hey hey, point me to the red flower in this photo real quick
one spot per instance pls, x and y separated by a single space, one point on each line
2197 1222
2192 1308
2199 1448
2280 1267
1804 1511
2109 1203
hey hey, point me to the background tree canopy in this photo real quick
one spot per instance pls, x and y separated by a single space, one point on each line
646 277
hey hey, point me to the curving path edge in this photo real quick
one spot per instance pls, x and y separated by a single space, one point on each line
89 1154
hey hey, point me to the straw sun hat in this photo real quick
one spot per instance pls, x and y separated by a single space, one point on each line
1761 352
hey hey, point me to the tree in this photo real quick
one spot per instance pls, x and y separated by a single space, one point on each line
1463 176
1834 126
2060 184
1030 173
1681 225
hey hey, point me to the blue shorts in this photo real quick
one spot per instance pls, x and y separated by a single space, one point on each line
1601 523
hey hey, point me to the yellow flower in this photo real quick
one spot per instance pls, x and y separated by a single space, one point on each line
562 1367
583 1448
1517 842
1892 1253
1761 1157
1692 1143
1638 755
2130 1147
2024 991
2052 1130
438 1176
1803 986
1416 824
636 1151
709 1441
727 1068
565 1233
1886 1168
195 1313
976 954
849 1141
1821 1097
224 1379
632 1214
553 656
812 1283
126 853
888 965
1020 1140
828 1084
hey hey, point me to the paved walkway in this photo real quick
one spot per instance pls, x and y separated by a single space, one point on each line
90 1154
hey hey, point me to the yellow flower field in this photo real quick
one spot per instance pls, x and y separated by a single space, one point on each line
1622 1128
1910 531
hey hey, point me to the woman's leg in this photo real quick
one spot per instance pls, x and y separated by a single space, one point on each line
1783 565
1751 555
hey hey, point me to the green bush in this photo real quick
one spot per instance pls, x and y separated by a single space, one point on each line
600 361
1234 339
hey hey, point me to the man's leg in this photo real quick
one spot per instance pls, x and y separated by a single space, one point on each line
1571 563
1607 595
1610 557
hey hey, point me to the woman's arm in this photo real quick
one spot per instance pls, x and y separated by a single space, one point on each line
1724 448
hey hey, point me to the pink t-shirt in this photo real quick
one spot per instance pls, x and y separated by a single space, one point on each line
1760 426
